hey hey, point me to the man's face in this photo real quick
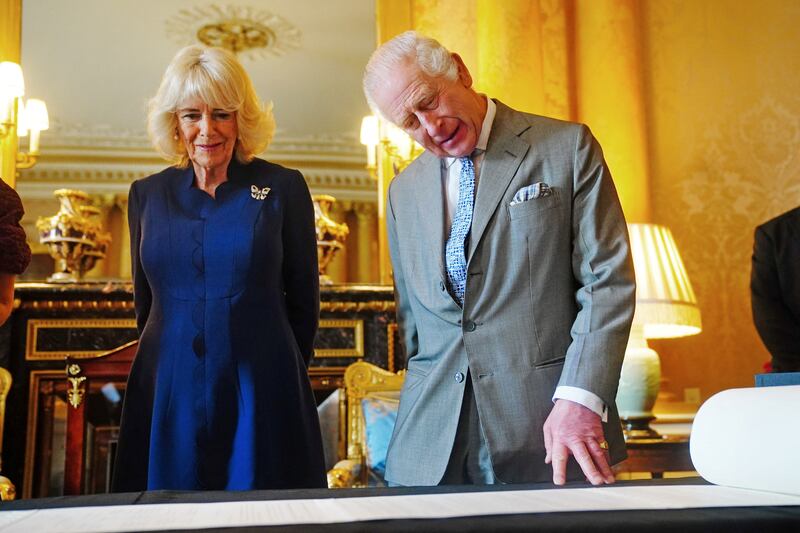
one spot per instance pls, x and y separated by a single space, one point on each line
442 115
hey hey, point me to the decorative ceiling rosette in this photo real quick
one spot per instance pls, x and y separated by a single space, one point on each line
244 30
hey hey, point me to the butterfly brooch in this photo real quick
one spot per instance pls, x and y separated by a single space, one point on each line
259 194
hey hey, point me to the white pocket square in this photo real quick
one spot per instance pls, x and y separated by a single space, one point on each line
532 192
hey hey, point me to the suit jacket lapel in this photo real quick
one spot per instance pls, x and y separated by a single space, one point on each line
430 203
504 154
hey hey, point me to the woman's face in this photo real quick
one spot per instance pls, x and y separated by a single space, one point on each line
208 134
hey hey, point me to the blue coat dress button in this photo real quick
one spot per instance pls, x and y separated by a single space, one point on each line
459 377
199 345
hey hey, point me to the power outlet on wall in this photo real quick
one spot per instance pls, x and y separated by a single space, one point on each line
691 395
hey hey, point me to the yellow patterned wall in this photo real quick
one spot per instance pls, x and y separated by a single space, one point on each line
723 101
10 17
569 59
697 106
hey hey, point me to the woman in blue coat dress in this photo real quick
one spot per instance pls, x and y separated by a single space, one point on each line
227 296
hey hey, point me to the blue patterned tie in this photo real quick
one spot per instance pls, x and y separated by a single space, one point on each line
454 249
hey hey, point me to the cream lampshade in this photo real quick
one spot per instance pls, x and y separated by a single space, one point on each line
12 86
15 114
12 83
666 307
370 138
35 118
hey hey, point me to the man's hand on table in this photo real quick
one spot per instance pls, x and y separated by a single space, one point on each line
572 429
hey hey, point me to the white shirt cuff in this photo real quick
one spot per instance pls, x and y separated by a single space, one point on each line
587 399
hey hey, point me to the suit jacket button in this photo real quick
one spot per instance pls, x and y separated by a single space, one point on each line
469 325
459 377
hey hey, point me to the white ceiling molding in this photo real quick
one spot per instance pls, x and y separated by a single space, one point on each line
94 163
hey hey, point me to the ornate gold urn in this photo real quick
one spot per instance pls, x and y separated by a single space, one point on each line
74 236
330 234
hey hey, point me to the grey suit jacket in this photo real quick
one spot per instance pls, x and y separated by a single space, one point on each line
549 299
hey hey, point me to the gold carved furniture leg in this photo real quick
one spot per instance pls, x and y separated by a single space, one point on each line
7 489
76 426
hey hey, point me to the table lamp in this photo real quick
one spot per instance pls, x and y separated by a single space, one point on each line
666 307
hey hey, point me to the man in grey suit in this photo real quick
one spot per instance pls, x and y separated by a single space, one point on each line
513 278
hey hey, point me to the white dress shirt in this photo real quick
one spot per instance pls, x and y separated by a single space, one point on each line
450 185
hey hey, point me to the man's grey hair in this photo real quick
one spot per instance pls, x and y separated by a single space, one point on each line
428 54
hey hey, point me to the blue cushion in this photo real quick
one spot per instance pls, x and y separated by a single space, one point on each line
777 379
380 415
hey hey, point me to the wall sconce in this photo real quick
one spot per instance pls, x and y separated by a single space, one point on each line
370 138
12 86
389 151
666 307
19 118
388 143
33 118
400 148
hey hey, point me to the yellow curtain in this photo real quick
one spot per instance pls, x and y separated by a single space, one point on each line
10 23
570 59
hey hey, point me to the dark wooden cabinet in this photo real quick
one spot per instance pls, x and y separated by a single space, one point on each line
82 321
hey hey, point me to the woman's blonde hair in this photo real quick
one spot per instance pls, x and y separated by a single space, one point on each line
216 77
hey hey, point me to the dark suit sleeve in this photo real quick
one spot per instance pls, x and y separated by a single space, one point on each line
603 270
405 316
142 295
778 327
300 267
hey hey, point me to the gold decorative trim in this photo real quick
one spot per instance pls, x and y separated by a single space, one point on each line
32 353
8 491
77 385
315 371
72 305
358 334
328 376
240 29
5 385
346 307
236 35
35 379
360 379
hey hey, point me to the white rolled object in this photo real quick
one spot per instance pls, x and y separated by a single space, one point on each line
748 438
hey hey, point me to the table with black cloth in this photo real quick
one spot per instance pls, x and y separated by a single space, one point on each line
755 518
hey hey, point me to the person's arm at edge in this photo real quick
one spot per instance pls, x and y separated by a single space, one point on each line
142 295
774 321
15 254
300 266
6 296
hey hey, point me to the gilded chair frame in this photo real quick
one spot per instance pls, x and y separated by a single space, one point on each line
7 489
360 379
